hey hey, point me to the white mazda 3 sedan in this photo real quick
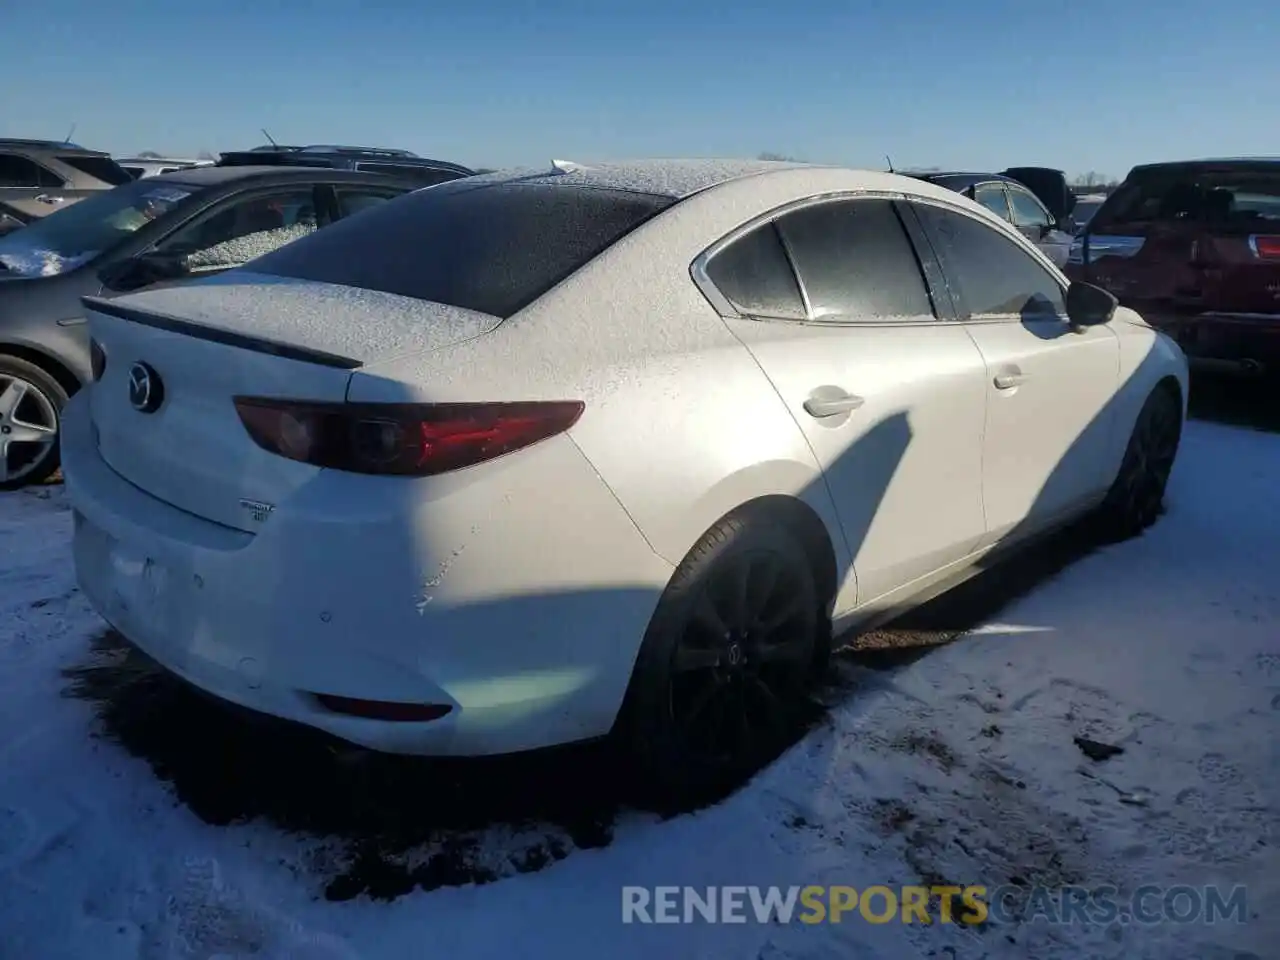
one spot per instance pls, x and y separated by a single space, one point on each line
533 458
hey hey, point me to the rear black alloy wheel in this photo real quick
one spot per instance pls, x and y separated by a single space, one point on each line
742 656
31 404
726 661
1136 500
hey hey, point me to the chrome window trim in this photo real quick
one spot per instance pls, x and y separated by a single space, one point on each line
720 303
722 306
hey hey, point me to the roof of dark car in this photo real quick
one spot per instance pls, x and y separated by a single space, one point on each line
215 176
325 156
1210 163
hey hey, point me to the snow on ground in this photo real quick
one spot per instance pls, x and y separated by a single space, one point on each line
958 766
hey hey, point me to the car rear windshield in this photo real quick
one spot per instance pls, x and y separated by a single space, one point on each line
1234 202
494 248
100 168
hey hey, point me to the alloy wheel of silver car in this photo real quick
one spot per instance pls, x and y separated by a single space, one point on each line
28 428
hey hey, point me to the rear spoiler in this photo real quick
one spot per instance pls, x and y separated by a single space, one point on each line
205 331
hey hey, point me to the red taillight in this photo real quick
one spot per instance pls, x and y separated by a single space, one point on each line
97 360
415 440
1268 247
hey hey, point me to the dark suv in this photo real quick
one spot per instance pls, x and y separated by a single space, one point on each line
38 177
401 163
1194 246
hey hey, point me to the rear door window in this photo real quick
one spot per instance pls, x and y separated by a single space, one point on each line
855 261
247 227
16 171
994 275
352 200
100 168
755 276
493 248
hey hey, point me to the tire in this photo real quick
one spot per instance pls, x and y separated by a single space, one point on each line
1136 498
700 662
26 462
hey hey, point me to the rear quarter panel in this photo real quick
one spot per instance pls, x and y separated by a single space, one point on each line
680 421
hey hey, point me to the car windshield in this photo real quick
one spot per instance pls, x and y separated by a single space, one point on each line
83 231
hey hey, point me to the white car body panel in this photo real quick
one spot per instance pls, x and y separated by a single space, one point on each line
519 590
904 469
1062 382
439 590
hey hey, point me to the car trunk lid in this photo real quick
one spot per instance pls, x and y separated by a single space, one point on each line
214 342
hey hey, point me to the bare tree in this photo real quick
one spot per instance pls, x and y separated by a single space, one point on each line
778 156
1092 179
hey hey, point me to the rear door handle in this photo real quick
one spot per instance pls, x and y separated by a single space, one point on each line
1009 379
831 404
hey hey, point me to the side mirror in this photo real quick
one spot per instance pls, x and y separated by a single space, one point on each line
144 270
1089 306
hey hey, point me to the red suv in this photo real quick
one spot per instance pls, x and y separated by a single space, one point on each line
1194 247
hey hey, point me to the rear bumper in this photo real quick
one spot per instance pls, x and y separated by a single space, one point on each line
517 601
1228 342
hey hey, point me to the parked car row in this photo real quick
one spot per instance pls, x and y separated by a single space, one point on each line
531 458
38 177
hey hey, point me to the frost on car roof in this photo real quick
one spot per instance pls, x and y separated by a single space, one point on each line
665 178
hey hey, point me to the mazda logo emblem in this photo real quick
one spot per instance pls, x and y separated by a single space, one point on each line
146 392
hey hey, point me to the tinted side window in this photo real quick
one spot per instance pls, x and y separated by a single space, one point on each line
995 276
355 199
992 196
1027 211
855 261
493 248
237 232
100 168
18 171
754 275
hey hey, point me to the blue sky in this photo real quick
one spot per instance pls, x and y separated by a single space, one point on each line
1085 85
